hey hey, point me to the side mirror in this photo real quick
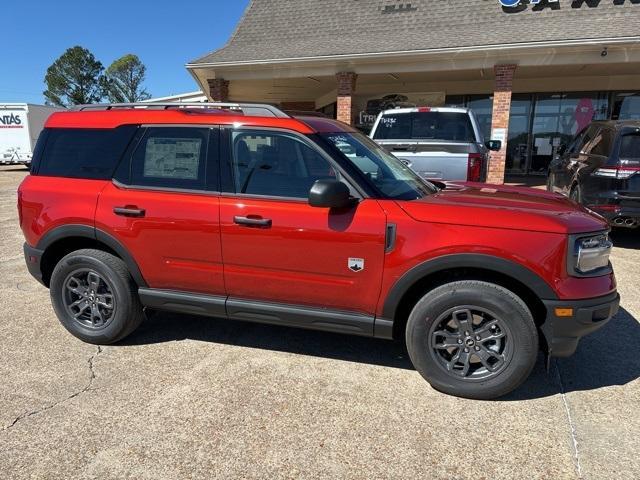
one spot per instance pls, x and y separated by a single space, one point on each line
562 148
494 145
330 194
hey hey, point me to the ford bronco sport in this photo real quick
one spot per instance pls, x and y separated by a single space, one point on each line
240 211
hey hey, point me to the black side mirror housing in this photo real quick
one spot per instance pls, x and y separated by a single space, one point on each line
493 145
330 194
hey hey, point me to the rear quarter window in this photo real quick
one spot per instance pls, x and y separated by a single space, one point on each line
83 153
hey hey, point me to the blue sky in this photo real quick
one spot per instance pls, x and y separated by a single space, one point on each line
164 34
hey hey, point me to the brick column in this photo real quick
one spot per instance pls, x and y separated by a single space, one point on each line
346 89
218 89
500 119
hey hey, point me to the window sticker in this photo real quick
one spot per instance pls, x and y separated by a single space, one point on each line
172 158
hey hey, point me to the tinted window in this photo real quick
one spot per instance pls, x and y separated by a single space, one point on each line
587 140
83 153
630 149
448 126
276 164
601 145
171 157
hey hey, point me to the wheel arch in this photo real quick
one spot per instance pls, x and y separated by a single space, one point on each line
430 274
61 241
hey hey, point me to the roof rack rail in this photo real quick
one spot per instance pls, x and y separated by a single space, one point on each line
247 108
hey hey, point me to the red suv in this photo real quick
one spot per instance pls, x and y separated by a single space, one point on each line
243 212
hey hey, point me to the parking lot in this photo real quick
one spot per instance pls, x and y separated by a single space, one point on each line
189 397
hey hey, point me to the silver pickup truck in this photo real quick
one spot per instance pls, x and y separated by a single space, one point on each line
437 143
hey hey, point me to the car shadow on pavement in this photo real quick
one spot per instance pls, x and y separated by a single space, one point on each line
168 327
605 358
625 238
608 357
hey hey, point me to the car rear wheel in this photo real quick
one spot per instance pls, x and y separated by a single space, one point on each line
576 194
472 339
94 297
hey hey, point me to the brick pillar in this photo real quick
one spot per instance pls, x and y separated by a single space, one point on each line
218 89
346 89
500 119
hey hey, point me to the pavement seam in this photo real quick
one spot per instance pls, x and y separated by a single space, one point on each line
92 376
574 436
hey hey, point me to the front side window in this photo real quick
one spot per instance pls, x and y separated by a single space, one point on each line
388 174
171 157
432 125
276 164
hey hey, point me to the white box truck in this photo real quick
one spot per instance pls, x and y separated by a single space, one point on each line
20 125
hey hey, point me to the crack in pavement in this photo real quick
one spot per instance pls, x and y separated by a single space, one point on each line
574 436
92 376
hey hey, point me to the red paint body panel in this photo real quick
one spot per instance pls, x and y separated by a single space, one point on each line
115 118
503 207
176 244
302 258
50 202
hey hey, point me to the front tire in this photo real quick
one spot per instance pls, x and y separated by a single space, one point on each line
472 339
94 297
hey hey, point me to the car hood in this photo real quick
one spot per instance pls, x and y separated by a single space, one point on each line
499 206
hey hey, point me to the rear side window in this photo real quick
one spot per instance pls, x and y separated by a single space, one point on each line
603 142
447 126
83 153
630 149
172 158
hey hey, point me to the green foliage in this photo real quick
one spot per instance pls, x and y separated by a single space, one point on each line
122 82
74 78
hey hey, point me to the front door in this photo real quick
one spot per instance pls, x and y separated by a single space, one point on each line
277 248
164 209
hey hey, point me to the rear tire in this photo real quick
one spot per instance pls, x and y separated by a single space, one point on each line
472 339
576 194
94 297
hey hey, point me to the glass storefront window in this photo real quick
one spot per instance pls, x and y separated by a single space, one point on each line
518 139
626 106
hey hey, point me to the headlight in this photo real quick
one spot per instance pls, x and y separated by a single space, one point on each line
590 255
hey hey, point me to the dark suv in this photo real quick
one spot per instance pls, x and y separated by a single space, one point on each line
600 169
243 212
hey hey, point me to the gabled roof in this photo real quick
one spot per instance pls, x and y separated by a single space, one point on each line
292 29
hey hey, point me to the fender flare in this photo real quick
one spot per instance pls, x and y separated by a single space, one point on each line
469 260
87 231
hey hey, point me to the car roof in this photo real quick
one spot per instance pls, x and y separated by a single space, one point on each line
618 124
179 116
425 109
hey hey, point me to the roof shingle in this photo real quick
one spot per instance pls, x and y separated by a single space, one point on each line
284 29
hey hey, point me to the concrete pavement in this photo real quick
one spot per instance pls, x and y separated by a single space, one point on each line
188 397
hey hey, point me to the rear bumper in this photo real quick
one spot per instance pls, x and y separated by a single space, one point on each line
33 257
620 215
563 333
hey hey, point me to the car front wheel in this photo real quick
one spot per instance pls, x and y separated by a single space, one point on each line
472 339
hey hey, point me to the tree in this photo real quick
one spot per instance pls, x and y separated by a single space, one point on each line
123 80
74 78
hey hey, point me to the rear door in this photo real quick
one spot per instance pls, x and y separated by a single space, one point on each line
163 206
276 247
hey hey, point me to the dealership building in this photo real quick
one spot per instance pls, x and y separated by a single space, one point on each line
534 72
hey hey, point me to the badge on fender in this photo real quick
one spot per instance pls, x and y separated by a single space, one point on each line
356 264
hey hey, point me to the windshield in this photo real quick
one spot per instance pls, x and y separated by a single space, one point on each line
447 126
388 174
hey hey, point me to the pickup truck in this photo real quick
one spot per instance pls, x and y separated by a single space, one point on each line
437 143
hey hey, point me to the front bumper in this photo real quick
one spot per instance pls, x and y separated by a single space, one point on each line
562 333
33 258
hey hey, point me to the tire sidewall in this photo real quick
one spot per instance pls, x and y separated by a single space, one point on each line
120 288
493 298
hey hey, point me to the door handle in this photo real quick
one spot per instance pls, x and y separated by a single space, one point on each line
129 211
253 222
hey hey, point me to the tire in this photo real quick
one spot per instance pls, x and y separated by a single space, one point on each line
85 315
576 194
506 361
550 181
